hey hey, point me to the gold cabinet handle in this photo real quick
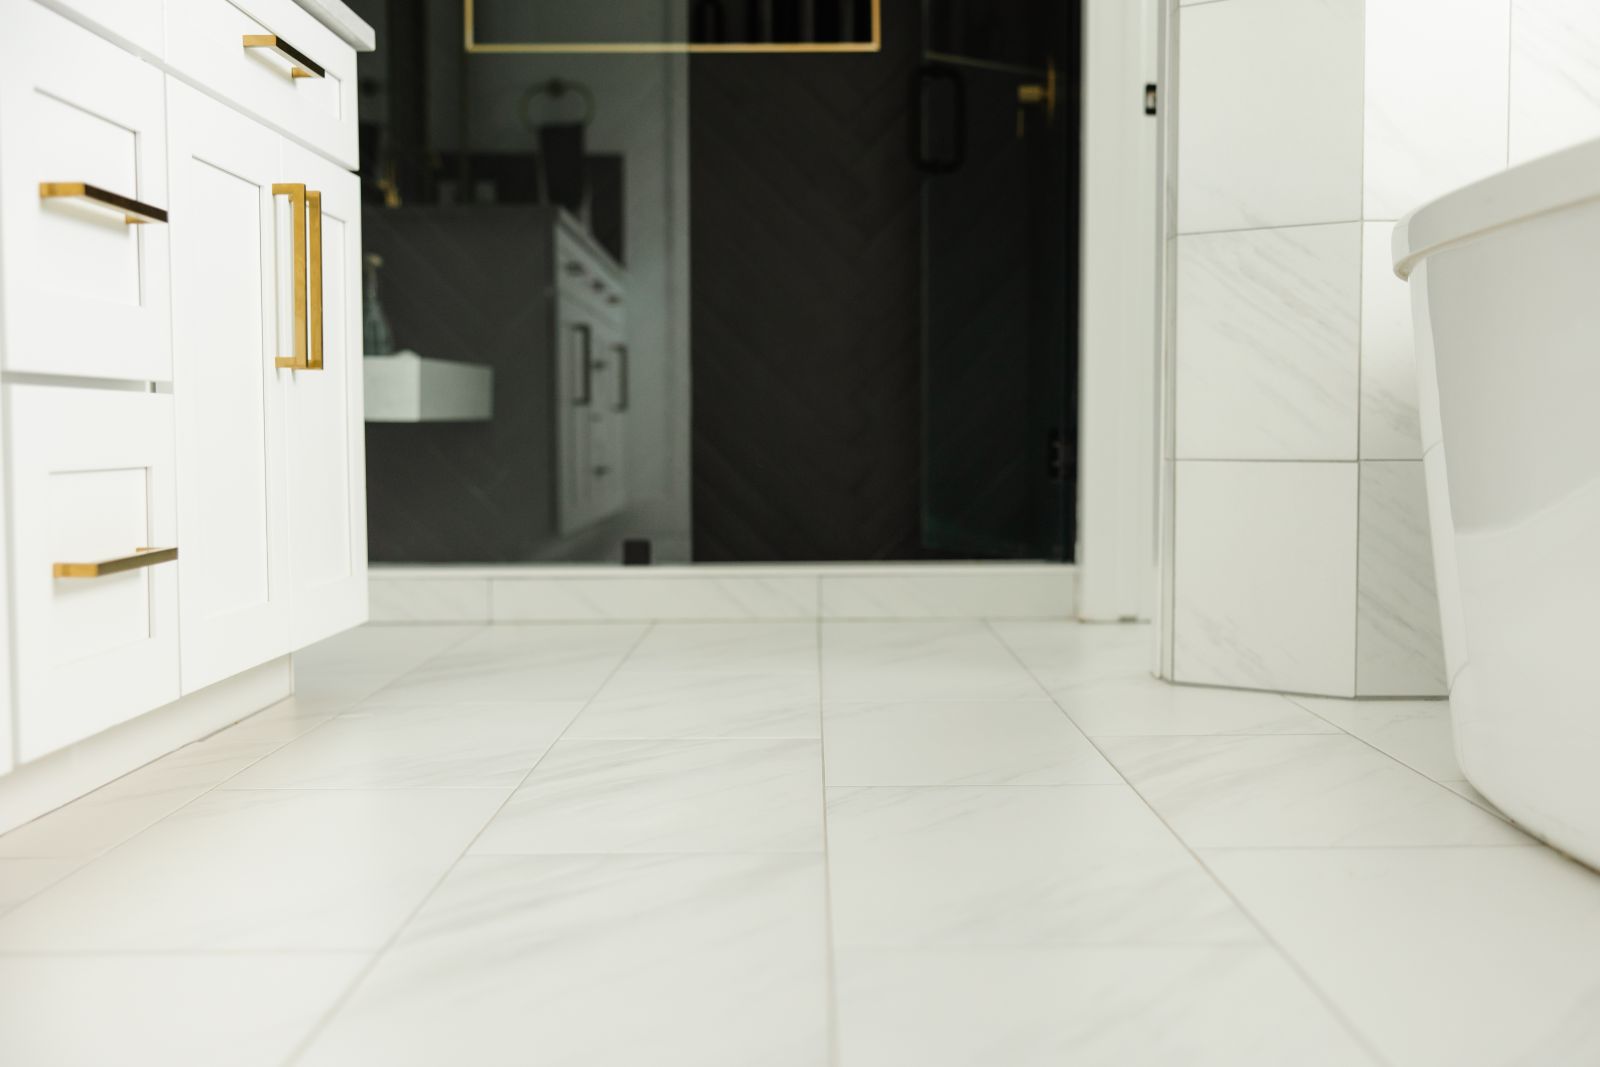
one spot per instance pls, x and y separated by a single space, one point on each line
300 64
142 557
314 228
305 214
132 210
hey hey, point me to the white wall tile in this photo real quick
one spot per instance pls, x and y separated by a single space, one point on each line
1266 575
427 599
1389 428
996 593
1398 649
1441 524
1267 346
552 599
1270 133
1435 99
1555 75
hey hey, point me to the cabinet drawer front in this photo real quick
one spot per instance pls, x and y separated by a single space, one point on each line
136 22
86 286
93 608
206 44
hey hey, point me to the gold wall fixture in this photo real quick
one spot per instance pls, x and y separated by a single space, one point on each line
475 47
142 557
133 212
300 64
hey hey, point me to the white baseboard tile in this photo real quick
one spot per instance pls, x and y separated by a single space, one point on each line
47 783
515 593
999 592
644 597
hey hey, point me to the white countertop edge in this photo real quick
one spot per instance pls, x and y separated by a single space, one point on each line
341 20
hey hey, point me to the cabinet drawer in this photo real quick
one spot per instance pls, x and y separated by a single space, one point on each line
86 286
138 22
206 43
91 485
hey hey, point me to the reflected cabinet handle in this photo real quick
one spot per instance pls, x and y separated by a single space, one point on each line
134 212
305 224
620 405
142 557
300 64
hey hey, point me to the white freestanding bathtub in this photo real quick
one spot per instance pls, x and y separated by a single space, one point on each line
1505 286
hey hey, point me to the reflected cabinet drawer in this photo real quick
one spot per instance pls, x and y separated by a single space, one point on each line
274 61
83 195
92 529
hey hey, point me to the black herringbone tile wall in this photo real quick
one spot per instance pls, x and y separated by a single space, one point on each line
806 306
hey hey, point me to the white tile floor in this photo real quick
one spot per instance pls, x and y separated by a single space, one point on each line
870 845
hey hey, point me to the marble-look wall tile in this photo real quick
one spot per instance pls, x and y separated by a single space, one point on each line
1435 99
1265 573
1398 649
1389 419
1555 75
1271 129
1267 346
1441 526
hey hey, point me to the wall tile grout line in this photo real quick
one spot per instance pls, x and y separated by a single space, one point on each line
344 998
1305 976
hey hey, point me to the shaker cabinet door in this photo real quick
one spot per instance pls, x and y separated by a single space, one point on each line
232 453
326 433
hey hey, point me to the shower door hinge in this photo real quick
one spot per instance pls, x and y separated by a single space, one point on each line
1150 98
1056 457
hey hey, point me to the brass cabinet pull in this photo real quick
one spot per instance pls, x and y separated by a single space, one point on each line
132 210
301 65
314 227
142 557
297 224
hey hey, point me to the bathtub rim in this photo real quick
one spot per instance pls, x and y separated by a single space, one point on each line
1541 186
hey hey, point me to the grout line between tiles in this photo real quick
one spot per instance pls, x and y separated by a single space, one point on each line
349 992
1305 975
835 1051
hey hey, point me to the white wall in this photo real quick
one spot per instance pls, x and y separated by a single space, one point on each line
1295 528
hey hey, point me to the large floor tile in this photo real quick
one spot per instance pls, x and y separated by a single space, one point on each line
666 796
121 809
583 961
1442 957
1149 707
1066 654
1016 866
1296 791
377 649
510 663
1415 732
261 869
243 1010
926 661
458 745
728 703
1087 1007
768 647
958 743
22 877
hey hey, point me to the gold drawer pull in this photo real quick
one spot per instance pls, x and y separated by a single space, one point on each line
314 226
301 64
132 210
142 557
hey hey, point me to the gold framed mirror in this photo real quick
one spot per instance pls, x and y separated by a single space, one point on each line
712 27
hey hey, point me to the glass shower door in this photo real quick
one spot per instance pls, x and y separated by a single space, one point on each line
995 134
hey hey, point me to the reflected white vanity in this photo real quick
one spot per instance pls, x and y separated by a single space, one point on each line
1505 283
180 271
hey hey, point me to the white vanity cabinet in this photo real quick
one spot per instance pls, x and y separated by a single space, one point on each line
180 360
271 474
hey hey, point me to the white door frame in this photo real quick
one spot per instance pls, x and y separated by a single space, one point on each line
1120 300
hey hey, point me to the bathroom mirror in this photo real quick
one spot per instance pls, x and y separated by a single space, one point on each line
658 26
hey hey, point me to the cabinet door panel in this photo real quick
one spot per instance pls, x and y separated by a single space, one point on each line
91 475
326 434
232 496
86 290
